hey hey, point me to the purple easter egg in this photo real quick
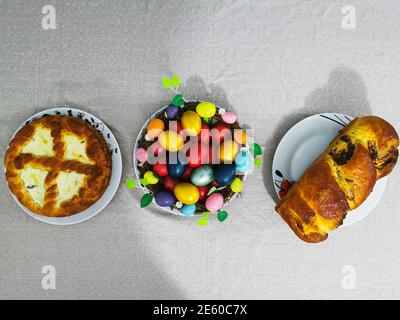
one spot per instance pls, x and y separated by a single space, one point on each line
172 111
165 198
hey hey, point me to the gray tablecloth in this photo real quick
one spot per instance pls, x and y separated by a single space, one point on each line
273 62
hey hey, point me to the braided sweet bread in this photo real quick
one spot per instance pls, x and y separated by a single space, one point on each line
340 179
57 165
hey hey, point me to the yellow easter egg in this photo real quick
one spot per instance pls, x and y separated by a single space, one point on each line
171 141
149 176
186 193
191 122
228 150
236 185
240 136
206 109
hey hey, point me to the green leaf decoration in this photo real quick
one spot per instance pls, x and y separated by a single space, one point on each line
206 120
212 190
222 215
176 81
178 100
130 184
146 200
144 182
166 83
255 149
258 162
202 222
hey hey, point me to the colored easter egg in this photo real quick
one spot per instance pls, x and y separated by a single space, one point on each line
202 176
165 198
214 202
236 185
206 109
229 117
188 172
204 135
172 111
155 127
203 190
241 158
176 169
149 176
243 162
225 174
186 193
141 155
240 136
191 122
198 154
170 183
160 169
189 209
171 141
228 151
220 132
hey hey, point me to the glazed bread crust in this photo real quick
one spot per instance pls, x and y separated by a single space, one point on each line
66 162
340 179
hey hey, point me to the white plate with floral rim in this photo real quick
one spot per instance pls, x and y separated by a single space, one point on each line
116 172
137 173
303 143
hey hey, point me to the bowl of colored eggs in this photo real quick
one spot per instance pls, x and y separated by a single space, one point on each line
192 158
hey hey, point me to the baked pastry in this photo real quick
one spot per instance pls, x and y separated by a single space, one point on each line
341 178
58 165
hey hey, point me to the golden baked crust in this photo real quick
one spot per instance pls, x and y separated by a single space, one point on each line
58 165
340 179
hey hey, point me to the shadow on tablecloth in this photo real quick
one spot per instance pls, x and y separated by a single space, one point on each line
345 92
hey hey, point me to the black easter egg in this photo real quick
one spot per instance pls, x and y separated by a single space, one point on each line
225 174
176 169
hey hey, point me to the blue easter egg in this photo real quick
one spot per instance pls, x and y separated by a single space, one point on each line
241 158
202 175
165 198
243 162
225 174
172 111
176 168
189 209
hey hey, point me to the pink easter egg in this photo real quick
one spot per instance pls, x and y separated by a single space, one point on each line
229 117
141 155
214 202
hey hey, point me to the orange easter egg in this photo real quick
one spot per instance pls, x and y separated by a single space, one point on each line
240 136
155 127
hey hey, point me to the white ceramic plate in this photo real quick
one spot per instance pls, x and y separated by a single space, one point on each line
137 173
303 143
115 173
